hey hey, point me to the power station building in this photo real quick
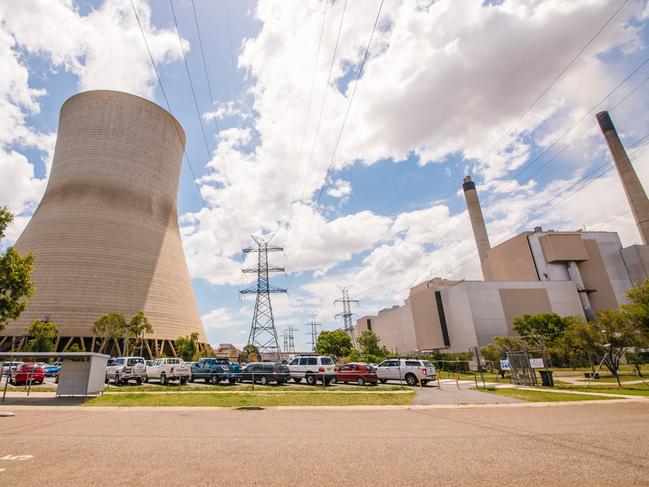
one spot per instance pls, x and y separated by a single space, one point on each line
105 235
568 273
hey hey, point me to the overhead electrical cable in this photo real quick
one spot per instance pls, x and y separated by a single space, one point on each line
164 95
342 126
198 111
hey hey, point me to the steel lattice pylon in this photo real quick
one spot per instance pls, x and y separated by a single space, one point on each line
313 332
347 313
289 340
262 331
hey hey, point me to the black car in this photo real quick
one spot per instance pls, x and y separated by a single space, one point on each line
266 372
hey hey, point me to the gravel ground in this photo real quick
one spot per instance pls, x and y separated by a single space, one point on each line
592 444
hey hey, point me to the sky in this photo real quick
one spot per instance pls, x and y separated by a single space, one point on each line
343 129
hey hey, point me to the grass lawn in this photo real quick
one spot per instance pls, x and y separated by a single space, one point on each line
252 399
540 396
248 388
635 390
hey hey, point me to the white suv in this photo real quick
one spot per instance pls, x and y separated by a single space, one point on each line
313 369
123 369
409 369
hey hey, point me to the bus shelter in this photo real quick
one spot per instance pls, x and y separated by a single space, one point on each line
81 374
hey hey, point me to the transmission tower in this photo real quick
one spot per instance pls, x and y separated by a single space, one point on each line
347 313
313 332
262 331
289 340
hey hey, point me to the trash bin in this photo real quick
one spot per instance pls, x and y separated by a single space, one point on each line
546 378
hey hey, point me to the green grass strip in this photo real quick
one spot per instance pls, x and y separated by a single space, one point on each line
251 399
541 396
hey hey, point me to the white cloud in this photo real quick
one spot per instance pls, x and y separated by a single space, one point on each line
340 189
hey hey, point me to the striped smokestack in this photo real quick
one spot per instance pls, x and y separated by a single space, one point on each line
635 193
478 225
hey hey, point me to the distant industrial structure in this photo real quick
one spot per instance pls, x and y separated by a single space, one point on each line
542 271
105 235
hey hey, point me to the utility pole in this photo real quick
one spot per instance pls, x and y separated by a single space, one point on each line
262 330
289 340
347 313
313 332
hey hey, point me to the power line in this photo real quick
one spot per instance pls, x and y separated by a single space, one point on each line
317 129
198 111
308 108
558 77
342 127
164 94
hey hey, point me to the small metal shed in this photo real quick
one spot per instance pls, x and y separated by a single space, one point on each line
82 373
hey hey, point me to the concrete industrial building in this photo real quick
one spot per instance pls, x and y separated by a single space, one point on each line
568 273
105 235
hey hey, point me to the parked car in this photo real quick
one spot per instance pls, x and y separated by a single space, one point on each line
26 372
357 372
9 366
408 369
168 369
313 369
51 370
123 369
215 369
266 372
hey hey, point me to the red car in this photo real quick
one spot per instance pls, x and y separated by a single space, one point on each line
22 374
357 372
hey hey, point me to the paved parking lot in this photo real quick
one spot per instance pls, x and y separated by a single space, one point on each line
568 445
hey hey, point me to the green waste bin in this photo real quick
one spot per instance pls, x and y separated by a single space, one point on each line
546 378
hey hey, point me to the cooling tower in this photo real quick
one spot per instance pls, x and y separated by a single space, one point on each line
635 193
478 226
105 235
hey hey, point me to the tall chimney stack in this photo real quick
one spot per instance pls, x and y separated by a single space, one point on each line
478 225
635 193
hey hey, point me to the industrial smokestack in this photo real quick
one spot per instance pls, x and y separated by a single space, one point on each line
478 225
635 193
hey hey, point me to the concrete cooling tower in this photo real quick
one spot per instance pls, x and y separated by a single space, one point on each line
105 235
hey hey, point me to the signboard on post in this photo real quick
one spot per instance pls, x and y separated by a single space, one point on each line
473 365
504 365
537 363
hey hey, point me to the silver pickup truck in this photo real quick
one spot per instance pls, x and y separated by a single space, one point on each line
409 369
168 369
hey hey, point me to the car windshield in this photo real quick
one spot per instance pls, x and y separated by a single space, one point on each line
119 361
326 361
135 361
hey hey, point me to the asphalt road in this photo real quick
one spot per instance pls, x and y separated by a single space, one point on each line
568 445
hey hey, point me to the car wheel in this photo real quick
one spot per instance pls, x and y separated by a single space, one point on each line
411 380
263 380
297 380
360 381
117 380
383 381
207 380
232 380
214 380
138 382
424 382
146 379
183 381
163 379
311 379
191 379
333 380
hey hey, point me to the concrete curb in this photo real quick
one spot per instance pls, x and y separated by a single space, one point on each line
6 414
125 409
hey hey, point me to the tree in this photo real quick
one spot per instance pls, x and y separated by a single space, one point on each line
135 331
250 353
544 330
609 337
499 348
111 326
16 285
370 348
335 344
43 336
638 307
187 347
